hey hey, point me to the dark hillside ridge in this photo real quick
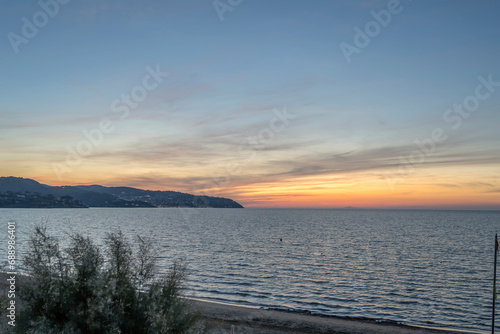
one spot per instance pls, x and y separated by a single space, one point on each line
164 198
100 196
36 200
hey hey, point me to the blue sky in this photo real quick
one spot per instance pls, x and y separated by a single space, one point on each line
352 121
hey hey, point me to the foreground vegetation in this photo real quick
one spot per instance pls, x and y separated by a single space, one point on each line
84 289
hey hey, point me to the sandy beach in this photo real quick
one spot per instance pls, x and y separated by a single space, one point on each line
224 318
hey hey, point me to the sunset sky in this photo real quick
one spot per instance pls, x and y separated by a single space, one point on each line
273 103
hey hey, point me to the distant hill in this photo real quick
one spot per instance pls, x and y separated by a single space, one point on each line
100 196
164 198
88 198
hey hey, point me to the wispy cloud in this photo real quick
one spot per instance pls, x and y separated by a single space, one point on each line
284 171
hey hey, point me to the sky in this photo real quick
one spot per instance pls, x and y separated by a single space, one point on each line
273 103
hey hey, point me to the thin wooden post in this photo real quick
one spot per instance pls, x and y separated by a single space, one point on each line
494 286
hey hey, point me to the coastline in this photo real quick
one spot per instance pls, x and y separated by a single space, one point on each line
228 318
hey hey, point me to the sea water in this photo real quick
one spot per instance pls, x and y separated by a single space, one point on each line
431 268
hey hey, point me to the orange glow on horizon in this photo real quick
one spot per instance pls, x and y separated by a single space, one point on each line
428 189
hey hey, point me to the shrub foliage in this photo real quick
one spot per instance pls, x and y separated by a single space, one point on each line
83 289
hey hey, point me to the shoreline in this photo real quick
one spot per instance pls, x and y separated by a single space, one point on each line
229 318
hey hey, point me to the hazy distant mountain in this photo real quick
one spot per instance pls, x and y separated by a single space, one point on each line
100 196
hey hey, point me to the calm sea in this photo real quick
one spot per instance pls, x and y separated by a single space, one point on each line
431 268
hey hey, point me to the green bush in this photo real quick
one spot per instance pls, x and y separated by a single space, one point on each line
83 289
